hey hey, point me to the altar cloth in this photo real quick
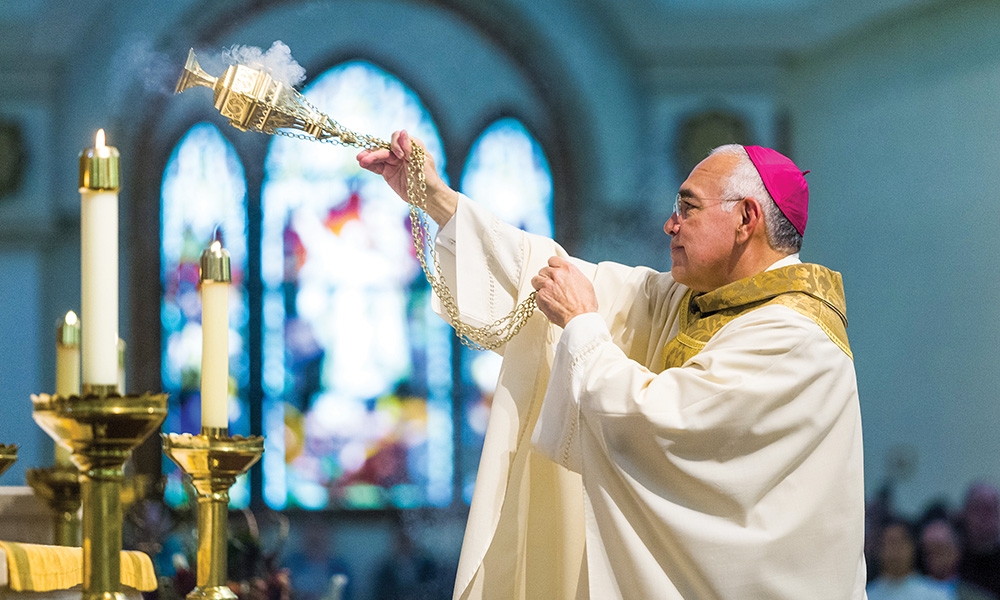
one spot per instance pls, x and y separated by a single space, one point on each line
43 568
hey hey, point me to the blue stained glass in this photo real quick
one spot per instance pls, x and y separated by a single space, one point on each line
507 172
356 367
203 192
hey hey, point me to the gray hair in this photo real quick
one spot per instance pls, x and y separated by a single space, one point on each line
745 182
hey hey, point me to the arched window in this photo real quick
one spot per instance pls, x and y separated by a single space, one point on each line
203 194
507 172
356 368
361 406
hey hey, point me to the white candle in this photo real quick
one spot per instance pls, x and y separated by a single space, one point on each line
67 369
215 278
99 263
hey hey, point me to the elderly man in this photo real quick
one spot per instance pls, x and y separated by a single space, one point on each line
693 434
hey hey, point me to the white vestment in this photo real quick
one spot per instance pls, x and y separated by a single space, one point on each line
736 476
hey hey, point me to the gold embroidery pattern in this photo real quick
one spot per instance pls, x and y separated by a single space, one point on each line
811 290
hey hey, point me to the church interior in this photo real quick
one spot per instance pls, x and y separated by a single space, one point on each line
576 119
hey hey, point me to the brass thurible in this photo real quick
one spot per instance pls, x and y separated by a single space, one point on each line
252 100
213 460
100 428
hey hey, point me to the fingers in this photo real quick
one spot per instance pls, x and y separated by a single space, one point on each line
557 262
368 158
563 291
401 145
558 267
545 275
550 273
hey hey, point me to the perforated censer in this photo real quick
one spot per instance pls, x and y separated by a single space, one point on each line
252 100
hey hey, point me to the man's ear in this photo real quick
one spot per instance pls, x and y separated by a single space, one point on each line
751 216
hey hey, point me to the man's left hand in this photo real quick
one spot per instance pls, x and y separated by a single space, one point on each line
563 291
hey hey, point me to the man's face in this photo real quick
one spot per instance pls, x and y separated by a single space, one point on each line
703 241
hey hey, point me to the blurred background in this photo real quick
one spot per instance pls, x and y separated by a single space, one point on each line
572 118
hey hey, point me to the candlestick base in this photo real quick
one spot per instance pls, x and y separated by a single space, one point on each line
100 428
212 593
8 456
214 461
59 486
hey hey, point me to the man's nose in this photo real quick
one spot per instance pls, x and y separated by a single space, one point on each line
672 224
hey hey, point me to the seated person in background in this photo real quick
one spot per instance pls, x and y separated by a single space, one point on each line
899 579
980 527
940 553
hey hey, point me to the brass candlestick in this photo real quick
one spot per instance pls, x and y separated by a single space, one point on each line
214 461
59 486
100 428
8 456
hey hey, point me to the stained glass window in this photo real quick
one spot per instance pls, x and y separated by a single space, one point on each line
356 367
507 172
203 195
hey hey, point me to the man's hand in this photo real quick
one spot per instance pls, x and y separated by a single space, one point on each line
391 164
563 291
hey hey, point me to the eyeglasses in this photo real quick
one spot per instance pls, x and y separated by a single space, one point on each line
683 206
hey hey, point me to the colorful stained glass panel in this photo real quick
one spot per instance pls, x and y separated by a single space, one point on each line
357 368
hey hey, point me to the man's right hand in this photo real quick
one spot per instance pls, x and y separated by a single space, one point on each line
391 164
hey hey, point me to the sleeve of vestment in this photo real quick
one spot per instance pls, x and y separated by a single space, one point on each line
488 264
731 421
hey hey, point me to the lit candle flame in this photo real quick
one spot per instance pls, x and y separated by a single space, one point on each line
99 140
71 318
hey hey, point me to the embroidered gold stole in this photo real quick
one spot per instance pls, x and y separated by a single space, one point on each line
809 289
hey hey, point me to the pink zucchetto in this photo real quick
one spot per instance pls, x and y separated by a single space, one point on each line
785 182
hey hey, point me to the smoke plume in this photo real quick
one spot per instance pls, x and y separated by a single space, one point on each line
277 61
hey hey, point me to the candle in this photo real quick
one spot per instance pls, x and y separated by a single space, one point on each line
99 263
215 278
67 368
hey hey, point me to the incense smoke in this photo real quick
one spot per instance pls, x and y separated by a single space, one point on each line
137 62
277 61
